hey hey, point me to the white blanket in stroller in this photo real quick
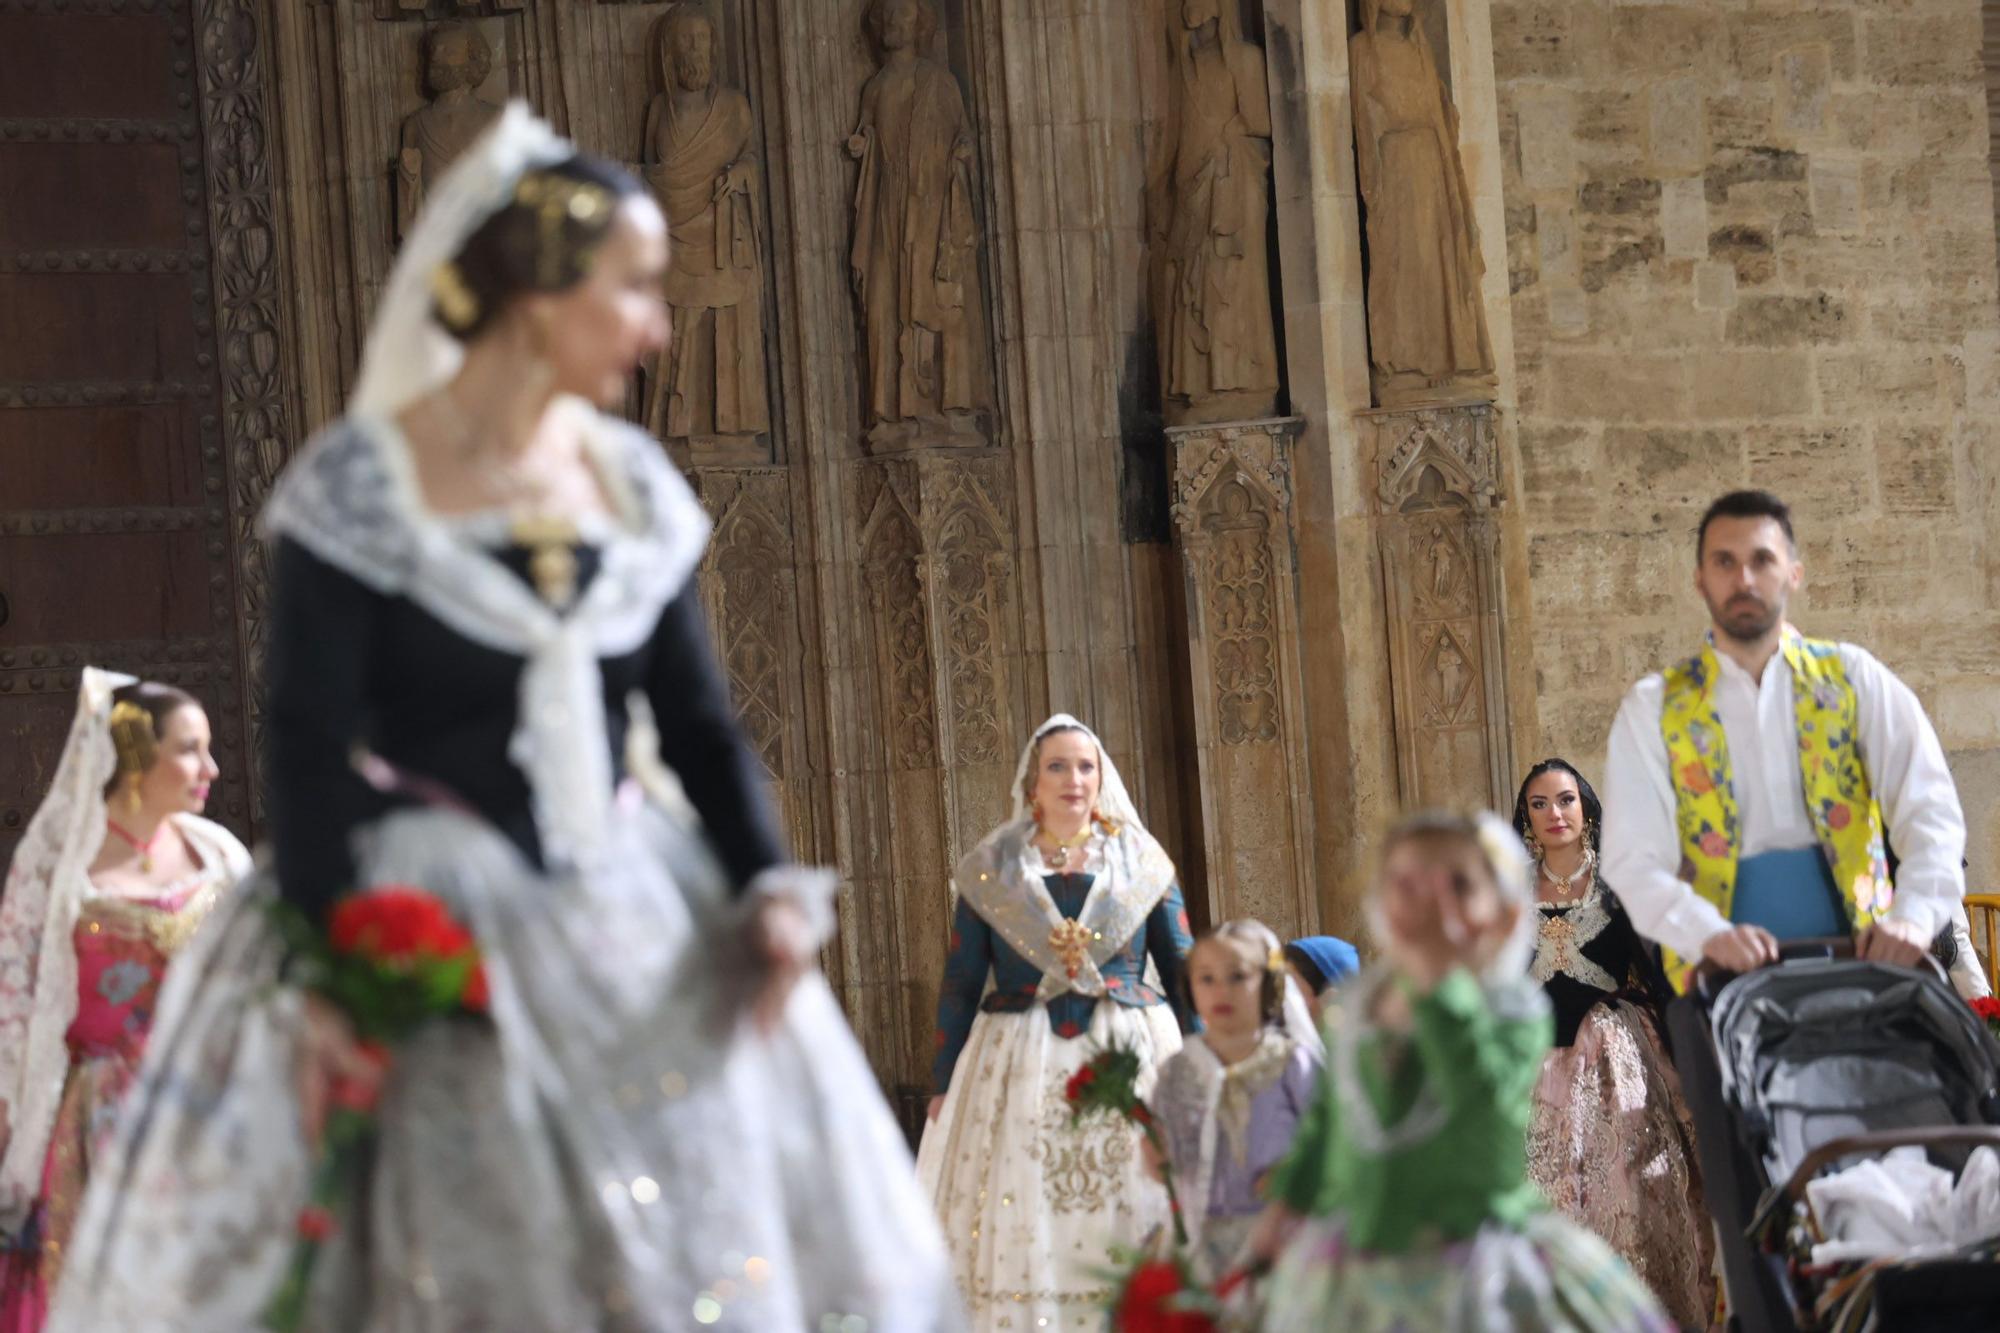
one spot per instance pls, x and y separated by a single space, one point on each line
1899 1206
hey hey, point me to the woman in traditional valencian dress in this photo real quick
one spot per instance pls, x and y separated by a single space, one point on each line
1610 1141
475 572
115 872
1060 908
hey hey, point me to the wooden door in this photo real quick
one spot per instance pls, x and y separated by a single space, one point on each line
117 545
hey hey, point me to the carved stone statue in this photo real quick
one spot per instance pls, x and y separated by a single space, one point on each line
915 258
700 157
457 59
1426 327
1209 208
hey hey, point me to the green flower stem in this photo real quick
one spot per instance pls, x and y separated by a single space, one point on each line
344 1143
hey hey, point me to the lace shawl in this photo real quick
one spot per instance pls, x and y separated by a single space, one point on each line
351 499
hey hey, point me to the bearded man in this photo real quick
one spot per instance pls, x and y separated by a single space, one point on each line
1751 789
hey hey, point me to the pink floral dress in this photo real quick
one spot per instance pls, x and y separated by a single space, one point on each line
123 946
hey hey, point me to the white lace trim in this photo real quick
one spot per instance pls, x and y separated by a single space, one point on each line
350 499
1565 929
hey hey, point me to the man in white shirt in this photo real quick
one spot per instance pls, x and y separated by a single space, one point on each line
1749 788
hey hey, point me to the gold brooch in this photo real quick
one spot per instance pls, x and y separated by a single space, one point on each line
1072 945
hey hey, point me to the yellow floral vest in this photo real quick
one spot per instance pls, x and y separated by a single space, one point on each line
1838 799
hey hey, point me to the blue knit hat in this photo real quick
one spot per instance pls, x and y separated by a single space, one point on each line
1334 959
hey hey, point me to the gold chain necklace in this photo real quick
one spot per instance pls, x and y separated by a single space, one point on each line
1056 858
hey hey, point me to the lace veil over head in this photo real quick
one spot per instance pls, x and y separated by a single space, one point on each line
1113 801
47 883
409 353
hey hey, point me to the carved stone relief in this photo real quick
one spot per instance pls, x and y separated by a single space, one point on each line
1426 326
915 259
751 592
1209 208
1437 474
1233 523
707 393
893 556
458 66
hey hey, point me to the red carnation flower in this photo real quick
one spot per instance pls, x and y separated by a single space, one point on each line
397 925
315 1223
1147 1303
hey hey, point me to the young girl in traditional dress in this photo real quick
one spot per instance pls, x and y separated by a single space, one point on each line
1231 1099
1405 1202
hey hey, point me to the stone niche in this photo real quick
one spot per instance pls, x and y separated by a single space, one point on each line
1437 493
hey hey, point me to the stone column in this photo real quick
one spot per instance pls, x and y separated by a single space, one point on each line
1234 524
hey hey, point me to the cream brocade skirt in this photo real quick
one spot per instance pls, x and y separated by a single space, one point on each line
1032 1207
1611 1146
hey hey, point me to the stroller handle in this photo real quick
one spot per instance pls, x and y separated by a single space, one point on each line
1818 946
1708 979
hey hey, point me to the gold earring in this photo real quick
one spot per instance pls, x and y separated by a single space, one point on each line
1534 847
455 300
133 781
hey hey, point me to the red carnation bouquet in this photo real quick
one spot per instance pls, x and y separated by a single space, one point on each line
391 959
1150 1294
1988 1009
1109 1084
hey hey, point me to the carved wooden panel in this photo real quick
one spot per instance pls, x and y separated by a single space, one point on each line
137 363
1437 479
1233 523
258 427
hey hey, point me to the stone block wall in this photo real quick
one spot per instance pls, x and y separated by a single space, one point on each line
1752 242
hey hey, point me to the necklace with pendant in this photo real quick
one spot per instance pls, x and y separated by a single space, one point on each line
1056 858
145 849
1565 883
552 563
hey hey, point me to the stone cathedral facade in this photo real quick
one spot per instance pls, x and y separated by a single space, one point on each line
1316 396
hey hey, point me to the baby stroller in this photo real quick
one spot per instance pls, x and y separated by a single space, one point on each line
1818 1062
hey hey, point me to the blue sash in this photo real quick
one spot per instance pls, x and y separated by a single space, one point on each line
1789 893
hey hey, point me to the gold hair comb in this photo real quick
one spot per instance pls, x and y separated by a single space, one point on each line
554 198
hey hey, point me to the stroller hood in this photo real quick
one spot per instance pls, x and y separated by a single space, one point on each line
1812 1051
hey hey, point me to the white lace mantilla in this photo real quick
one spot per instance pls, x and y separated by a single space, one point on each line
351 499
